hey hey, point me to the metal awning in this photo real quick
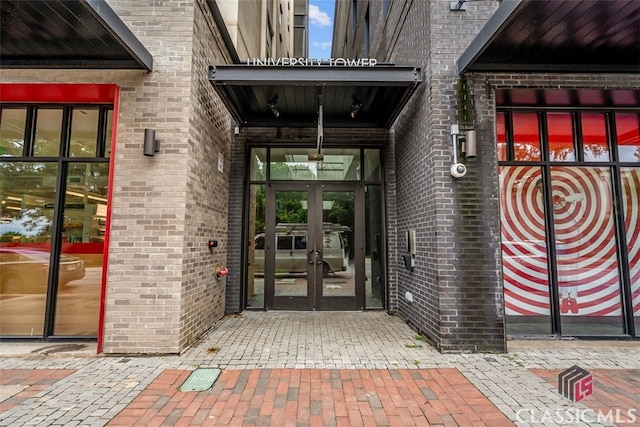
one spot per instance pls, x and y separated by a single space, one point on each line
588 36
291 95
85 34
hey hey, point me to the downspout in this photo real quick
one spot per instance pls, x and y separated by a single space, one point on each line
222 27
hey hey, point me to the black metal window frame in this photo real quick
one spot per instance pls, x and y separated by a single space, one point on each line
62 160
614 166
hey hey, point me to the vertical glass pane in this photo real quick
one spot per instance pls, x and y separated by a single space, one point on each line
587 261
374 250
48 132
524 251
258 164
560 133
108 134
526 137
338 209
631 206
628 132
501 137
255 256
27 193
291 227
594 137
372 166
301 164
84 133
12 123
80 266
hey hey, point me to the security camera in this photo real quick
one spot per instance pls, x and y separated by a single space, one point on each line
458 170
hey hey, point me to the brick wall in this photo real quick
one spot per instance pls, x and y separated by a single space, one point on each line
158 264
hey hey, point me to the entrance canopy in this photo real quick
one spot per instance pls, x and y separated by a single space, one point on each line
84 34
368 96
587 36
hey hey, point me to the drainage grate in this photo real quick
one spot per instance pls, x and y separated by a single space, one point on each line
201 379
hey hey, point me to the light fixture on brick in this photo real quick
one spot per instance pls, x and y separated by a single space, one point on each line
151 145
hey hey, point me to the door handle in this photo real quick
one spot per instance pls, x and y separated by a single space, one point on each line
319 258
309 255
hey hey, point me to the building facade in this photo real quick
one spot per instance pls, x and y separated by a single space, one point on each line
451 164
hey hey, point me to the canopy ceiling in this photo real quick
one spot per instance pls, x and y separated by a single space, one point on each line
67 34
374 94
558 36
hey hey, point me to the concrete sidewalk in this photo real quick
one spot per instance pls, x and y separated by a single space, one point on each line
310 368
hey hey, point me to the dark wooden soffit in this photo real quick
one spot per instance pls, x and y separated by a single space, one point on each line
82 34
586 36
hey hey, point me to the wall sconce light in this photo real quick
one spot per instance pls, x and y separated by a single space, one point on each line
470 146
151 144
273 106
355 108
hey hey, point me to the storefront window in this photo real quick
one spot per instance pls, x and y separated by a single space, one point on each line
561 144
501 137
374 251
524 250
594 135
372 166
631 208
526 137
587 261
570 279
12 127
628 133
80 265
84 133
48 132
27 194
53 217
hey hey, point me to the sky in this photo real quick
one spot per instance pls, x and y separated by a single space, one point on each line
320 28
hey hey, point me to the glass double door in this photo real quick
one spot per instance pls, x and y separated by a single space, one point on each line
314 247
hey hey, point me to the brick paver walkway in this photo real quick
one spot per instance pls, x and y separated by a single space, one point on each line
315 397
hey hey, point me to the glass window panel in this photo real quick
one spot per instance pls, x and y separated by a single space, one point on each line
291 265
338 215
27 192
258 164
372 166
80 265
594 137
48 131
628 133
108 134
374 250
526 137
524 251
12 123
297 164
586 251
84 133
560 137
501 137
255 256
631 207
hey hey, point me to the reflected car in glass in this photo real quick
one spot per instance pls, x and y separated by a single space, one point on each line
26 270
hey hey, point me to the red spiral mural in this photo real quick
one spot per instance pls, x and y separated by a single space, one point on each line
585 240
